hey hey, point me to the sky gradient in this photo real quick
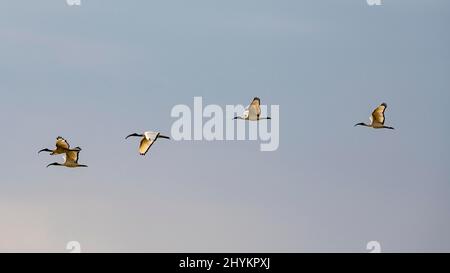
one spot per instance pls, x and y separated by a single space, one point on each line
96 73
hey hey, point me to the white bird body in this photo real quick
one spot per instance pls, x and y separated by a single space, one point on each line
148 138
246 114
151 136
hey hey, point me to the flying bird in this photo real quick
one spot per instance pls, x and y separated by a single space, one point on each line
70 159
62 146
148 138
377 119
253 111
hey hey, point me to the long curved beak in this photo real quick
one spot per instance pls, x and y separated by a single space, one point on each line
134 135
161 136
53 164
44 150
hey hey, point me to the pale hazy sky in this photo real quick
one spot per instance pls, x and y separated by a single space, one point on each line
98 72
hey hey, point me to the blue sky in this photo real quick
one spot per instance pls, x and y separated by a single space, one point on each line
98 72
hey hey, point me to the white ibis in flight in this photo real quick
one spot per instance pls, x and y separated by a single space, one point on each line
377 119
148 138
62 146
71 159
253 111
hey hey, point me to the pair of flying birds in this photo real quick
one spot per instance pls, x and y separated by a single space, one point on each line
377 119
72 155
252 113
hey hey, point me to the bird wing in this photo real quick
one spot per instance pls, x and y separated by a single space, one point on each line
61 143
72 156
145 145
378 114
253 112
254 109
256 102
